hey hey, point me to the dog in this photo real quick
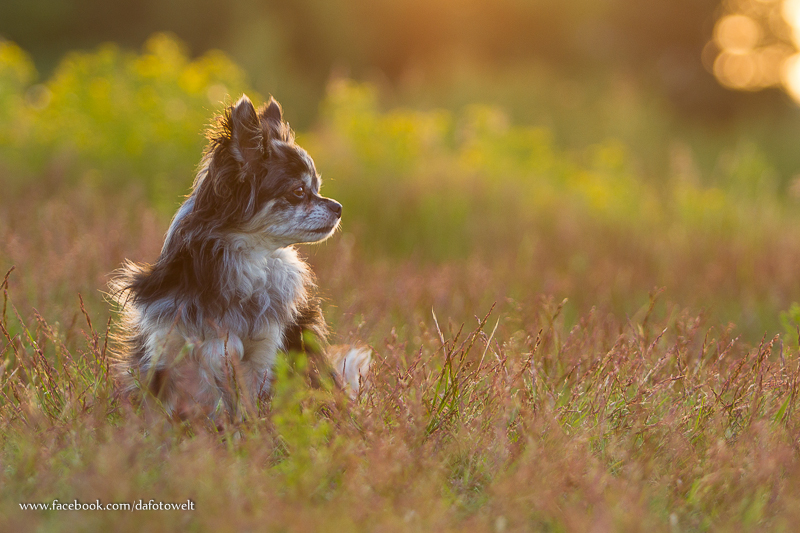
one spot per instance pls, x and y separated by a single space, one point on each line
202 327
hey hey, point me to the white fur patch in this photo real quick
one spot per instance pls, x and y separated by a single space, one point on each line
352 364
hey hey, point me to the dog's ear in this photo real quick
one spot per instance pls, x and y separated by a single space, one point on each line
271 116
247 142
271 112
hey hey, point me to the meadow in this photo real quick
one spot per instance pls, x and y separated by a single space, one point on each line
570 333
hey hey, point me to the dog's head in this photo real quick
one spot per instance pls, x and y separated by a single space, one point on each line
255 180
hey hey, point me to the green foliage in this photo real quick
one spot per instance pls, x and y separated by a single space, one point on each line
113 119
448 176
109 118
436 183
304 455
16 74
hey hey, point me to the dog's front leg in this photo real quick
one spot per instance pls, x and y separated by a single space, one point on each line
259 359
219 361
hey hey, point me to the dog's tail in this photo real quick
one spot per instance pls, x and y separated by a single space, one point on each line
351 364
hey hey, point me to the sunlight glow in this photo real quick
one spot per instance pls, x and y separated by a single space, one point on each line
791 76
790 71
735 70
756 45
738 34
791 13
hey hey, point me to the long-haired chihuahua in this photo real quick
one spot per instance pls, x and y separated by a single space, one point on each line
201 327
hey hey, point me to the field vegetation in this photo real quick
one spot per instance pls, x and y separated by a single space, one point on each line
572 331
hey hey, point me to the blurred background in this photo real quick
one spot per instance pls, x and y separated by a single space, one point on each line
703 63
688 51
574 149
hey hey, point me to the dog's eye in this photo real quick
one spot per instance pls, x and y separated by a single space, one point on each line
297 194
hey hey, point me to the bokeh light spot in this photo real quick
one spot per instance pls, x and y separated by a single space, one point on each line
791 13
754 46
791 76
734 70
737 33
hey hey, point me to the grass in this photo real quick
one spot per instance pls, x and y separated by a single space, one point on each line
516 417
561 342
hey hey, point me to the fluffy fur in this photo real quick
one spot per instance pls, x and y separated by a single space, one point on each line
203 325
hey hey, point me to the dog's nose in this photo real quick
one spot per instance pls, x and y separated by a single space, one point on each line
335 207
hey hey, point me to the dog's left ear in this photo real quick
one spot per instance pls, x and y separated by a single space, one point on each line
271 116
271 112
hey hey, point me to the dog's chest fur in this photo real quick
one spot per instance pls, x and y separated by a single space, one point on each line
267 289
